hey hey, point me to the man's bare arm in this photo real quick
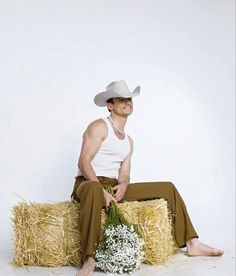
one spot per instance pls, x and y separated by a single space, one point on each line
124 174
92 139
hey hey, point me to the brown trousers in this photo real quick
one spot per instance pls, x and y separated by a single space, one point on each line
90 195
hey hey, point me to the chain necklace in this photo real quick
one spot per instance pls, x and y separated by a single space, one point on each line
116 127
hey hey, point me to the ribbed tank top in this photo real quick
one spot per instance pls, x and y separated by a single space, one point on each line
112 152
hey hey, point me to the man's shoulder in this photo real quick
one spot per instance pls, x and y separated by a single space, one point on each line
97 127
130 139
97 123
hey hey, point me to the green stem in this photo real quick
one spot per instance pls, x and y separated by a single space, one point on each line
115 217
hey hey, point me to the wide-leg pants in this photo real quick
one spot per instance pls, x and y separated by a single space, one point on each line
90 196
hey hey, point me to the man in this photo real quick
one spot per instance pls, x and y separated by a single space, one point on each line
105 159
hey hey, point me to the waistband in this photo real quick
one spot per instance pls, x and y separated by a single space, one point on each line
104 181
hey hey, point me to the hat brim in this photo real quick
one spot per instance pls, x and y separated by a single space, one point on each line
101 98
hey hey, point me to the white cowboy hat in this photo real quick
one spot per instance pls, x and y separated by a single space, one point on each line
116 89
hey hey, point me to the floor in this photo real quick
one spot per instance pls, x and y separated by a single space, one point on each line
179 264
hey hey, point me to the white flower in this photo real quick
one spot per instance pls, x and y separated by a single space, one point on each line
121 250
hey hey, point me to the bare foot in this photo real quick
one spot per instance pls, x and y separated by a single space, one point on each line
196 248
87 268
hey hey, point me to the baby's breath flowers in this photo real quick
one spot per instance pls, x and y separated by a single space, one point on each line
121 248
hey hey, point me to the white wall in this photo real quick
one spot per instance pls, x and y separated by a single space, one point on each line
56 55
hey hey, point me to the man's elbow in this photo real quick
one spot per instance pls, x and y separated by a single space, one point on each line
80 164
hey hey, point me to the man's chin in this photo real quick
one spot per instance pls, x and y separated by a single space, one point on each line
127 114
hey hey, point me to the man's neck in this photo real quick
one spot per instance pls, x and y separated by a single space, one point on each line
120 121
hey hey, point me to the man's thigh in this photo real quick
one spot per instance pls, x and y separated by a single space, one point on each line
148 190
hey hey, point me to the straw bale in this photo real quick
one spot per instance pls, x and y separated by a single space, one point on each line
154 224
48 234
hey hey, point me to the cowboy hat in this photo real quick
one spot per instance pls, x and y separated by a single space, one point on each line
116 89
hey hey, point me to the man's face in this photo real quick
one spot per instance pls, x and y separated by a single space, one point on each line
121 106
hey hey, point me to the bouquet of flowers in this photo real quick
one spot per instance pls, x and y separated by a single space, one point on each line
121 248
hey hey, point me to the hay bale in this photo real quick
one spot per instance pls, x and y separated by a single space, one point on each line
154 225
48 234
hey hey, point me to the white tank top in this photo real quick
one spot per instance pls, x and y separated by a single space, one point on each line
112 152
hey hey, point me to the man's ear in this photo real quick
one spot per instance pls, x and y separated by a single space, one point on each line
109 106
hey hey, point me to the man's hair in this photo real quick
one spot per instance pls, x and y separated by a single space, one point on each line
110 101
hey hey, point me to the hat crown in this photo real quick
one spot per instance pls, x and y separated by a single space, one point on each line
118 87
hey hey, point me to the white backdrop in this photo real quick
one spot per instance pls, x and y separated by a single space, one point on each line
56 55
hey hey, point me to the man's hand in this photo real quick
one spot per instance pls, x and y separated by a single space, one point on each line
120 191
108 198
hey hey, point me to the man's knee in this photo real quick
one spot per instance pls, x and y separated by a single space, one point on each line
170 186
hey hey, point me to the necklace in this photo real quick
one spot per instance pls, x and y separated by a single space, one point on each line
116 127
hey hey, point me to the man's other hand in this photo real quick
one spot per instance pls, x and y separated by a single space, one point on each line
120 191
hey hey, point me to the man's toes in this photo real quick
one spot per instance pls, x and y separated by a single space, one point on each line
219 252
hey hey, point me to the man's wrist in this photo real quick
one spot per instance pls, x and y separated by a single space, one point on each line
123 183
